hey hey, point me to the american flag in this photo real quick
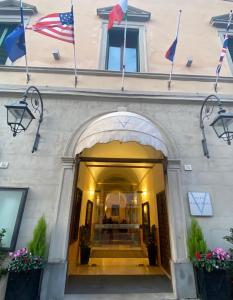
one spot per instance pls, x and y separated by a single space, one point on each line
57 25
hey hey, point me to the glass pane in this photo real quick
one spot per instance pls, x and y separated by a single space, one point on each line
131 60
117 219
5 30
15 115
229 124
9 207
230 46
114 59
218 127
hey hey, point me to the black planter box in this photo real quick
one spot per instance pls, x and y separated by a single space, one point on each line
23 285
85 255
213 285
152 254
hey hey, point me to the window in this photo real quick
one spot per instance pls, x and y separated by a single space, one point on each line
115 50
111 48
230 46
229 54
5 29
12 202
9 20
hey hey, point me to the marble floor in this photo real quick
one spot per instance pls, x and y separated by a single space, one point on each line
116 266
128 264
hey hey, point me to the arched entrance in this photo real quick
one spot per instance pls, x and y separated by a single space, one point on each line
120 139
119 183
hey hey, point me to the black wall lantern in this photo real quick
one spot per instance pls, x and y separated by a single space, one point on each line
19 116
222 123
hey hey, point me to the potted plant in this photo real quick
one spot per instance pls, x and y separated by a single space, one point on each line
212 276
85 250
152 247
3 270
196 241
25 267
229 238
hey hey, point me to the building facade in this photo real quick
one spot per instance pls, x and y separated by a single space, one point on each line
118 161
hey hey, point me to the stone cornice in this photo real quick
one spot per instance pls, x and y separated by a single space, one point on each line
173 164
68 161
94 72
112 95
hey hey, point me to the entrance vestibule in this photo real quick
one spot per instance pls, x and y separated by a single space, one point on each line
105 141
119 190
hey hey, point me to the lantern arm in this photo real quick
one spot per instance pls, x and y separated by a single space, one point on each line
34 95
207 109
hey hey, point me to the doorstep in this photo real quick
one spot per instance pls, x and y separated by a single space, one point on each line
147 296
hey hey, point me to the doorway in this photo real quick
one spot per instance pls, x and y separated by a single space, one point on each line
119 210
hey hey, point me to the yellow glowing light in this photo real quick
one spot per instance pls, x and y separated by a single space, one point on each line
144 193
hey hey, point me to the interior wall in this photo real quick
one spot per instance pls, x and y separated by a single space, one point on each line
87 185
152 184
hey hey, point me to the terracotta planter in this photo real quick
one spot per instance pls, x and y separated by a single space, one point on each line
23 285
213 285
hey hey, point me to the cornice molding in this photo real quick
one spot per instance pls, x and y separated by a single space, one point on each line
113 95
221 21
95 72
67 161
134 14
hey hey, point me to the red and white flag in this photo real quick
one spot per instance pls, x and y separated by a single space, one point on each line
57 25
118 12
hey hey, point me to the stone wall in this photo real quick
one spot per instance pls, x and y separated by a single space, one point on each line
41 171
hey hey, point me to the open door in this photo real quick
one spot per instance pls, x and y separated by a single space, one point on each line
164 237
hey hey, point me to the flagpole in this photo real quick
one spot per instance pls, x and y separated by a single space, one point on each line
22 23
220 63
123 66
172 66
74 52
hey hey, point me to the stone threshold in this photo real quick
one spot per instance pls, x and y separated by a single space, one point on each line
147 296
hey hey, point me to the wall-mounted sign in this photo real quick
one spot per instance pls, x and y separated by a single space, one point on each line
200 204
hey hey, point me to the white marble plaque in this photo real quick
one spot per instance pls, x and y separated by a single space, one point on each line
200 204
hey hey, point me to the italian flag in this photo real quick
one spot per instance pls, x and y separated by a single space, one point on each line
118 12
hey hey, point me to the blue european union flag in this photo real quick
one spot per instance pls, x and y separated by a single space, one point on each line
15 43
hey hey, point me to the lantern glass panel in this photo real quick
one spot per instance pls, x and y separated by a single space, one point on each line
15 115
218 126
228 123
27 118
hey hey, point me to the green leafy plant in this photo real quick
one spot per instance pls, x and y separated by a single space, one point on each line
229 238
196 242
3 270
37 246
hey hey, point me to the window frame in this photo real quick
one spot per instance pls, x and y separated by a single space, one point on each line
121 52
142 49
221 33
7 62
13 19
18 218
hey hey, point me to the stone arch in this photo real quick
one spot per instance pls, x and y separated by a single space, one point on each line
182 271
72 147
